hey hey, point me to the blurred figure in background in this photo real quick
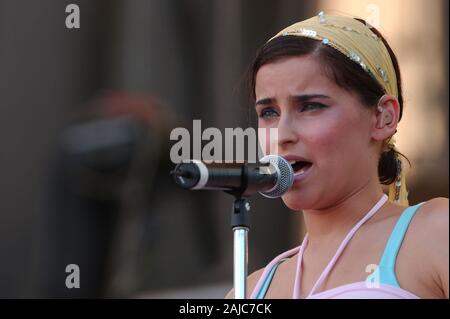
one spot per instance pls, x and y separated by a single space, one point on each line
112 162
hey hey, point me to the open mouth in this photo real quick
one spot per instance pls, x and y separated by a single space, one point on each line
300 167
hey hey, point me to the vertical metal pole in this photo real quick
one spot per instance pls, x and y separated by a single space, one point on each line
240 224
240 262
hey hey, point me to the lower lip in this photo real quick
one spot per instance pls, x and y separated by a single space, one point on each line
298 177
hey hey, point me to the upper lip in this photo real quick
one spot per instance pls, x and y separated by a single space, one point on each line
290 157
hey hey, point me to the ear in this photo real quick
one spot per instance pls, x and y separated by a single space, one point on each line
386 118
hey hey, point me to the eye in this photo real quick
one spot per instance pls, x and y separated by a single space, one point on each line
311 106
267 113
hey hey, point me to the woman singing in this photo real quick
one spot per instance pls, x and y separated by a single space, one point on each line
331 85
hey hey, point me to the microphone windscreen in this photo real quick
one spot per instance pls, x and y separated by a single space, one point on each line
285 175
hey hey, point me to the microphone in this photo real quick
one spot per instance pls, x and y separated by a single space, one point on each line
271 177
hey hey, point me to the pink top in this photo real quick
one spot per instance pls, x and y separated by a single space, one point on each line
357 290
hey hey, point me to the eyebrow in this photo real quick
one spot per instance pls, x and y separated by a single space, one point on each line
298 98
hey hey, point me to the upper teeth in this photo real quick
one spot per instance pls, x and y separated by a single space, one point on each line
292 162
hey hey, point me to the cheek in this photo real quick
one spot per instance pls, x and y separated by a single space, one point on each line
325 136
331 142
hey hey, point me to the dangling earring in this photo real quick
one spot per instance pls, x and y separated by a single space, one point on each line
397 189
398 180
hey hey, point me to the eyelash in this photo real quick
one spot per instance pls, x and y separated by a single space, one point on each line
263 112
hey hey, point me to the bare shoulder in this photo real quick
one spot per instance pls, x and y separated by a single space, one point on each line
431 237
433 216
438 204
252 280
432 230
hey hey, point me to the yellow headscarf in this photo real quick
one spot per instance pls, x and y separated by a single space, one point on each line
355 40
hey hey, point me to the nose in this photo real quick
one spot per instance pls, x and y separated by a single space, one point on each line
287 131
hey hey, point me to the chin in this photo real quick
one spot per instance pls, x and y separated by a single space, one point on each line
295 201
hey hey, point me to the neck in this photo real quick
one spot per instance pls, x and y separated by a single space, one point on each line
333 222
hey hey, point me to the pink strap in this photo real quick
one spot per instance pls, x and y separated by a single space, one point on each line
341 248
299 268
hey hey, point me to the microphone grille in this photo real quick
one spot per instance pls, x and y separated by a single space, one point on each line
285 175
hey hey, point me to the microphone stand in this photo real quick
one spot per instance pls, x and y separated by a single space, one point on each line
240 218
240 225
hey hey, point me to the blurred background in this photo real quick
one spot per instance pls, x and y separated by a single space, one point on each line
85 119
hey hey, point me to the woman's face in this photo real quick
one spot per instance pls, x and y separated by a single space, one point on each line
320 123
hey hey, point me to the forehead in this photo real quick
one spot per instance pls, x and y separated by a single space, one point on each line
292 75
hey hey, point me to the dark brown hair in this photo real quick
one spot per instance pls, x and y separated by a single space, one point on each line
345 73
